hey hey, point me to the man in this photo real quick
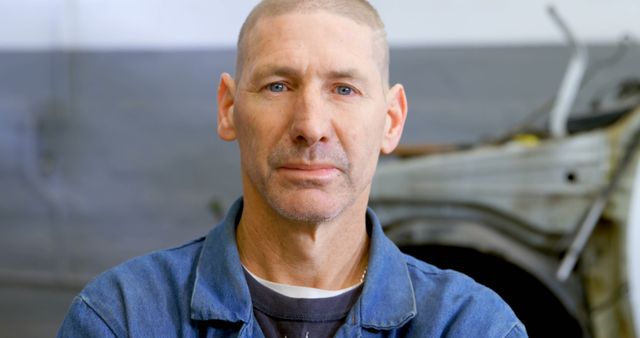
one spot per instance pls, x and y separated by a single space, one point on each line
300 255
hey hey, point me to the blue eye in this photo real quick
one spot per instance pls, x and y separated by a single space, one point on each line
344 90
277 87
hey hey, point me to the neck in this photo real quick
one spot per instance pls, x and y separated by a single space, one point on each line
331 255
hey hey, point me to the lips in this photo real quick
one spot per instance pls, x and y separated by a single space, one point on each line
309 171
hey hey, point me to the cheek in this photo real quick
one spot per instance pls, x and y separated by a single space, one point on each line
256 135
259 119
363 142
366 132
247 137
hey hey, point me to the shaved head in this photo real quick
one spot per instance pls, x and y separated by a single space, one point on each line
360 11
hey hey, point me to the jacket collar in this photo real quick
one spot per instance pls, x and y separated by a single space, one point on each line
387 299
220 291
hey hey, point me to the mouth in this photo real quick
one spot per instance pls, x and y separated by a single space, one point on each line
309 171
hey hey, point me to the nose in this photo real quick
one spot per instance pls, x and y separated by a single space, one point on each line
311 121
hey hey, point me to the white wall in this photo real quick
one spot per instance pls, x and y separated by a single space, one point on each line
144 24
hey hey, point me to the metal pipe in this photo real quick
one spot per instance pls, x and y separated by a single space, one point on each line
571 82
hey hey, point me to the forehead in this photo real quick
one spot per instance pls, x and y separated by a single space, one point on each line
316 39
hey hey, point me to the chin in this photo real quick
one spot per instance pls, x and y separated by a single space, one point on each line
307 209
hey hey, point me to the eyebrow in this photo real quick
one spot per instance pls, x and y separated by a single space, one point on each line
265 71
290 72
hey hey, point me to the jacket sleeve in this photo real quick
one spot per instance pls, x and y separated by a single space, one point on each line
83 321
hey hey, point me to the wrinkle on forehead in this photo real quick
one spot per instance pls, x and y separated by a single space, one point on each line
320 42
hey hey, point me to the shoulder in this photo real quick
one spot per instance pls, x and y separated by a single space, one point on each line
427 276
455 303
162 268
145 288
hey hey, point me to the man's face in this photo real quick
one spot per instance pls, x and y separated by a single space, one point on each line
310 113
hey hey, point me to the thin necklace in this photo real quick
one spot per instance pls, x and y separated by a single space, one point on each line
364 273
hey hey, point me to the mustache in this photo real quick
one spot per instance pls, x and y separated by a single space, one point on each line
318 153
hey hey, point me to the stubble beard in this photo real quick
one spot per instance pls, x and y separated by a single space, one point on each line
287 203
285 197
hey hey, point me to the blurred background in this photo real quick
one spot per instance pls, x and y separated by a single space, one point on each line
108 146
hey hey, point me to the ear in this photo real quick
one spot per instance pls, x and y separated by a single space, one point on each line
226 102
396 116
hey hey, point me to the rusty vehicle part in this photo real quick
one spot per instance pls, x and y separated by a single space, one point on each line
548 219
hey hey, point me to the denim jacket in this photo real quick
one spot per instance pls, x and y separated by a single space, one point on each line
199 290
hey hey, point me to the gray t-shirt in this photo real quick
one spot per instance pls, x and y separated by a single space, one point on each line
280 316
